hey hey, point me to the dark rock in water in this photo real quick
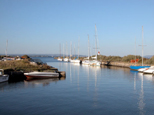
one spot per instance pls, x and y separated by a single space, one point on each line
15 76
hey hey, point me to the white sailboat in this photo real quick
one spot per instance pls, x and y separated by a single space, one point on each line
70 52
87 61
77 59
66 59
95 62
59 58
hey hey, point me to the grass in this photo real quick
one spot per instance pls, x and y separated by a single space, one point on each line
24 65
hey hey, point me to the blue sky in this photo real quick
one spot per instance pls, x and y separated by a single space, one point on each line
39 26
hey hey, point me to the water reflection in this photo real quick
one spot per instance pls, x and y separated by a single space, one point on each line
71 73
3 85
77 64
96 70
149 77
32 83
43 82
141 103
135 82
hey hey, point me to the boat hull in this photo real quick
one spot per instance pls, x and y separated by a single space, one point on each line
4 78
138 67
41 75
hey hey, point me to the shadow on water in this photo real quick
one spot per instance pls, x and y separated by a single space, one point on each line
44 82
31 83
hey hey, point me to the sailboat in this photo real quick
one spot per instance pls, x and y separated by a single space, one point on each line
139 67
77 59
66 59
95 62
86 61
70 52
59 58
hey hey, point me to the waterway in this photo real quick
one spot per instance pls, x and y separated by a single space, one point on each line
85 90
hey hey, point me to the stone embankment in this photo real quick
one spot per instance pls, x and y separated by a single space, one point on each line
121 64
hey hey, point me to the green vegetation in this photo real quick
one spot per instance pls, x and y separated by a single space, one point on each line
150 61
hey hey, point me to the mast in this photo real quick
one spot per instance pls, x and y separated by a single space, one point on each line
63 50
88 47
66 50
135 51
60 49
74 51
71 50
78 46
142 46
96 41
6 47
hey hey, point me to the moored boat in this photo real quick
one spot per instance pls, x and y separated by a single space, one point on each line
142 69
85 62
149 71
59 59
95 63
138 67
41 75
66 59
3 77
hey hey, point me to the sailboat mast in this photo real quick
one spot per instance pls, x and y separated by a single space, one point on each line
88 47
6 47
66 50
78 46
135 51
74 51
63 50
142 45
96 41
60 49
71 50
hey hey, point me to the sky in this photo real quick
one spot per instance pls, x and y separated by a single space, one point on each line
42 26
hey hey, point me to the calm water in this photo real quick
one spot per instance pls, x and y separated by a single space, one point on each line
86 90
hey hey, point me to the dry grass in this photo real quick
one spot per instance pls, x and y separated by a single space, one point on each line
23 65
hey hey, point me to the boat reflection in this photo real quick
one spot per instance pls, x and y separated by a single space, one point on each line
141 103
43 82
149 77
3 85
135 81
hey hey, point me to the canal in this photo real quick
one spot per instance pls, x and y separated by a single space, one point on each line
85 90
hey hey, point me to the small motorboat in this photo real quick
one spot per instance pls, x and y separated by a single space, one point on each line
3 77
41 75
